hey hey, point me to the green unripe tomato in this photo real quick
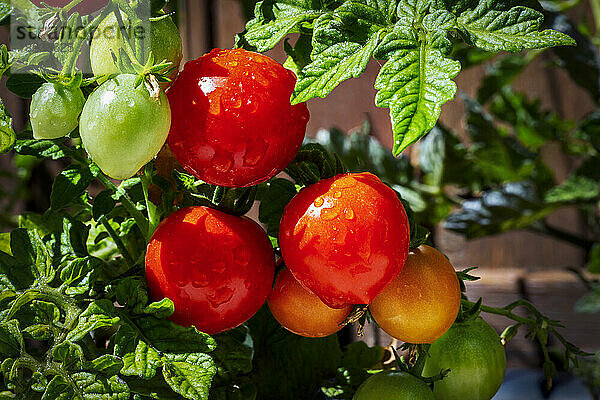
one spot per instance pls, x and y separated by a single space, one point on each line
122 127
474 354
165 43
393 385
55 110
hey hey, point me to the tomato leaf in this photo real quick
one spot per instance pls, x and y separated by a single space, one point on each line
94 388
68 186
415 82
273 21
69 354
189 375
107 365
492 28
98 314
11 340
7 134
342 45
279 193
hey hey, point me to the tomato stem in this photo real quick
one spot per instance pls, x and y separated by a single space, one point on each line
117 239
153 216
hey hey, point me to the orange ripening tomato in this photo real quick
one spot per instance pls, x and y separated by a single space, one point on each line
300 311
345 238
217 268
422 302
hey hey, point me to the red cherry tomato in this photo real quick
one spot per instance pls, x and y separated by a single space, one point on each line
300 311
85 7
217 268
345 238
233 124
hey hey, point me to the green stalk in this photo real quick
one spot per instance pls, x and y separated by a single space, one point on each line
72 4
595 5
153 216
69 66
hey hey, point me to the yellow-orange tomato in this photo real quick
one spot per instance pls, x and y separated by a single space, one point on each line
300 311
422 302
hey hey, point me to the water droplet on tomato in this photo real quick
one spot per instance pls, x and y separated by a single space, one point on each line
220 296
222 163
214 105
348 214
262 80
328 214
337 194
200 281
241 256
181 283
255 152
318 202
344 183
219 267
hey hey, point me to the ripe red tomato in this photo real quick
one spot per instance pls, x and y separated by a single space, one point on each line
476 359
233 124
217 268
422 302
85 7
300 311
345 238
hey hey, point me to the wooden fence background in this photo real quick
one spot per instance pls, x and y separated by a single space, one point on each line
511 265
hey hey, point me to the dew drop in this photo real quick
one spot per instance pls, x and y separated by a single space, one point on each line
219 267
255 152
241 256
348 214
200 281
337 194
344 183
181 283
220 296
222 163
329 214
260 78
214 105
318 202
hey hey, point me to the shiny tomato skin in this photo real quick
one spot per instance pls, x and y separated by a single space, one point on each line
393 385
217 268
422 302
85 7
233 123
345 238
300 311
474 354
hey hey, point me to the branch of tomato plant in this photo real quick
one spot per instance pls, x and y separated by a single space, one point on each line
69 65
153 215
117 239
544 228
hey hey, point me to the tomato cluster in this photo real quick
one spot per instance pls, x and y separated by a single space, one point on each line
344 240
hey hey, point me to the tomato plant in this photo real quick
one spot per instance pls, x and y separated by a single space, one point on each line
116 289
422 302
84 7
300 311
224 131
217 268
165 43
55 110
122 127
393 385
476 359
345 238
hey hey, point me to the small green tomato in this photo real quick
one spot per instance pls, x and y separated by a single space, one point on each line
55 110
122 127
165 43
393 385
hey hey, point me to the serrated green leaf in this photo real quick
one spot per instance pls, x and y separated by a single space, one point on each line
108 365
59 389
167 336
516 29
98 314
69 185
143 362
24 85
574 189
273 21
343 43
11 340
160 309
189 375
131 292
93 388
40 148
69 354
234 352
413 84
103 204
